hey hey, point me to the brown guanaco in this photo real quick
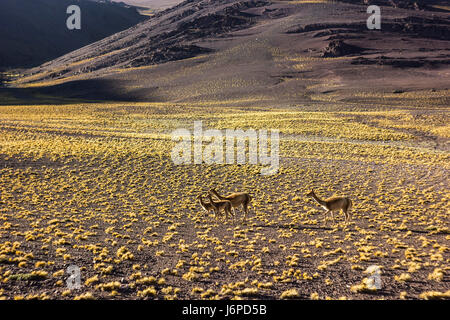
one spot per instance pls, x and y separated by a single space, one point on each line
237 199
224 205
334 204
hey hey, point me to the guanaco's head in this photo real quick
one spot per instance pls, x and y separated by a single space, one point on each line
212 191
311 194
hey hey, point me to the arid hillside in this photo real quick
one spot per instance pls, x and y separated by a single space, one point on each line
285 51
153 4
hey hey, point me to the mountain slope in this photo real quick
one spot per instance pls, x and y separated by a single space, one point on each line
282 51
406 4
32 32
152 4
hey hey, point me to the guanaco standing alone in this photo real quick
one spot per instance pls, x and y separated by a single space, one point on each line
334 204
236 199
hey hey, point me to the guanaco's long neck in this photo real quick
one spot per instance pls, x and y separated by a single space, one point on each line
321 202
212 201
218 195
202 203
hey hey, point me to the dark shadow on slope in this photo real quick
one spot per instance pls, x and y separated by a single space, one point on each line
95 90
34 31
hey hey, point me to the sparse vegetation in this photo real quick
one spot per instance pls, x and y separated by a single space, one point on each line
94 185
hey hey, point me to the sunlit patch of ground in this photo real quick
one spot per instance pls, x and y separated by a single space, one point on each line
93 185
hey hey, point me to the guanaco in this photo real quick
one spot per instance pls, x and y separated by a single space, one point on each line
236 199
334 204
207 206
224 205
